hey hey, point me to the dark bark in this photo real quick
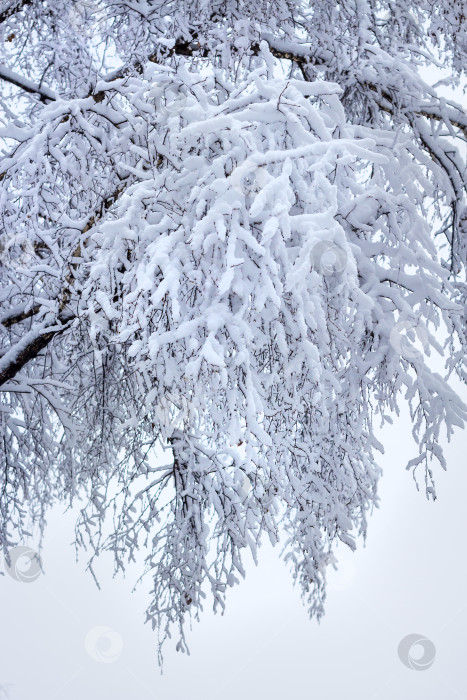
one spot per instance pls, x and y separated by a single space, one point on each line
32 350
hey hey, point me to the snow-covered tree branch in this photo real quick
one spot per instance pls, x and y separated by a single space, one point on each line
235 233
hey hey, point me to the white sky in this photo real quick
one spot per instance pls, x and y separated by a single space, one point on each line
410 578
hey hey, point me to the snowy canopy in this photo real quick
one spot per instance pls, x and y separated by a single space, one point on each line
233 232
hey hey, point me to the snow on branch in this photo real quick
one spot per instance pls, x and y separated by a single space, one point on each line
12 8
226 250
45 94
30 345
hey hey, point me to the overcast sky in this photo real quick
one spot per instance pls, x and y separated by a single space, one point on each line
409 579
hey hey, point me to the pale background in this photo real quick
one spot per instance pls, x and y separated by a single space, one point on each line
410 578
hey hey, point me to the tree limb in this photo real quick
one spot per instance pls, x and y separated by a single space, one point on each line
29 347
18 314
13 9
45 94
